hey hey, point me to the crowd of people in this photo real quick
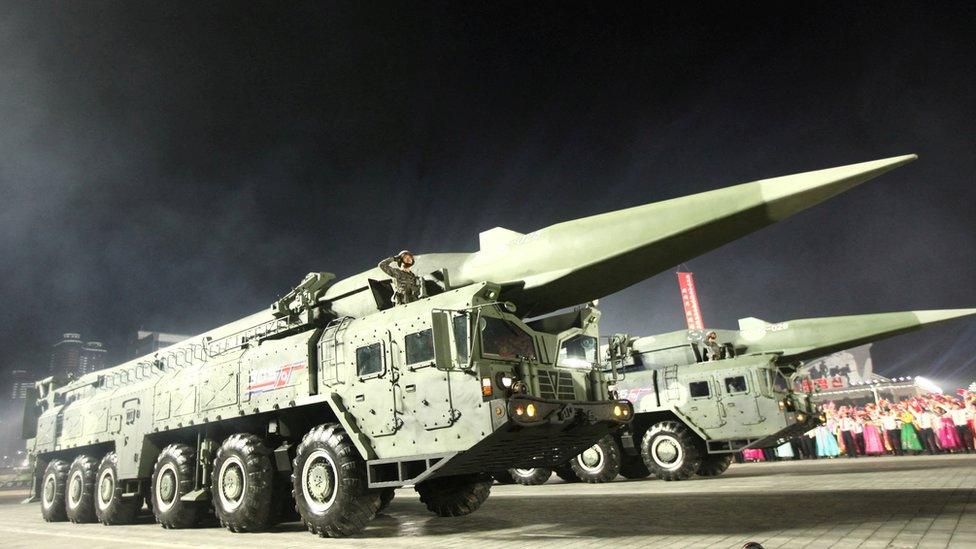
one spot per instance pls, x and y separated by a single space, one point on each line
932 424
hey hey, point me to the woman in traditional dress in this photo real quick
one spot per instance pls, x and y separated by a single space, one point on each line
948 437
753 454
909 438
826 443
785 451
873 445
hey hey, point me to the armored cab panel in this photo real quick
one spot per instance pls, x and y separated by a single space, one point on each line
381 370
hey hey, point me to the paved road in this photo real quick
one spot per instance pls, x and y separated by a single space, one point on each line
875 502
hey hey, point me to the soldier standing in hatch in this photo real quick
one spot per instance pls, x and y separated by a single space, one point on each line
406 285
714 349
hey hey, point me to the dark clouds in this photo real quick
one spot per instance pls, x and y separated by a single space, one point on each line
175 166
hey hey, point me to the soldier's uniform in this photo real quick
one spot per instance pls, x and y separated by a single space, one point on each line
406 285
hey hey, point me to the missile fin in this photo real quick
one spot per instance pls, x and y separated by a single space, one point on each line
498 237
752 323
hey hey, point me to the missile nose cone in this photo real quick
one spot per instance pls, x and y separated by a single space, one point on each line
940 315
787 195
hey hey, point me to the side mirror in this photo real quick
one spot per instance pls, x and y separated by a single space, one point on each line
441 329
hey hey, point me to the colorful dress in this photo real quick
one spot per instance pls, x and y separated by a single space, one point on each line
785 451
826 443
753 454
909 438
948 436
873 445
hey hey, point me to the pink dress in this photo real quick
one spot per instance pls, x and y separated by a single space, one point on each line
948 437
873 445
753 454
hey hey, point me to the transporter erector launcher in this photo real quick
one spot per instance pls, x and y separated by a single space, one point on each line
333 397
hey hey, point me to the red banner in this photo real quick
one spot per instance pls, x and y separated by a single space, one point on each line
689 298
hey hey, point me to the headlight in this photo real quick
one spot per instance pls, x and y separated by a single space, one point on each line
801 417
530 410
782 404
510 382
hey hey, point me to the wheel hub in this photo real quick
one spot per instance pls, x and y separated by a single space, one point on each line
74 490
591 458
49 489
319 481
167 487
106 488
232 483
667 452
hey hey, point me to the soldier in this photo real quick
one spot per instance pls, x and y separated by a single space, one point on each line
406 285
714 349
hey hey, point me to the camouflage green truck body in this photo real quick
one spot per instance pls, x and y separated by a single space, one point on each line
408 416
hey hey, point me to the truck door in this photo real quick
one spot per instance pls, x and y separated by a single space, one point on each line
371 393
427 398
740 393
703 405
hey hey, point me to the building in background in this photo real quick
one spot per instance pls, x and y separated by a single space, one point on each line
149 342
92 357
66 356
72 357
20 381
847 378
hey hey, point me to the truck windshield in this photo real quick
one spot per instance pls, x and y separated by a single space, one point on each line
578 351
780 383
505 340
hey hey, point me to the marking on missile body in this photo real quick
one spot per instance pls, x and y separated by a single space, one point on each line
269 379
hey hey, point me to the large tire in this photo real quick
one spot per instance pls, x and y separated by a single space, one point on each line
530 477
172 479
454 496
671 451
503 477
714 465
598 463
566 472
386 497
53 487
330 486
110 506
243 479
632 467
80 494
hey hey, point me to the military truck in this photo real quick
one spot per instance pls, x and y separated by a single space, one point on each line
336 411
334 396
14 477
698 402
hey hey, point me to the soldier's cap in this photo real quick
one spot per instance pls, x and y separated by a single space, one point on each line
399 256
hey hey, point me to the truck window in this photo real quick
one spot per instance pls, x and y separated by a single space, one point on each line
578 351
419 346
735 384
506 340
369 360
461 337
699 389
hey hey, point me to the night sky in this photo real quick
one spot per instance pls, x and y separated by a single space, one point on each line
172 166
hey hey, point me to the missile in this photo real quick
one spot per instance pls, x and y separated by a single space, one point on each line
580 260
807 338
